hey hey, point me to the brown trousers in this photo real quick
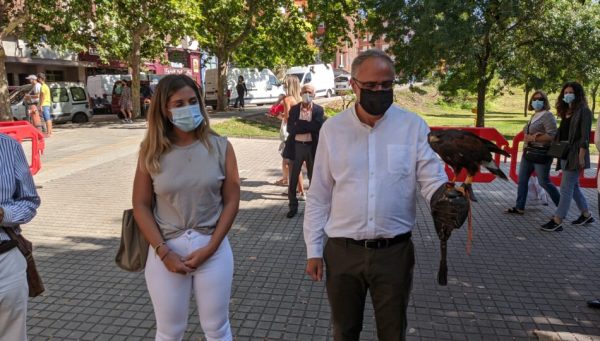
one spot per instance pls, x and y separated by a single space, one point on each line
386 273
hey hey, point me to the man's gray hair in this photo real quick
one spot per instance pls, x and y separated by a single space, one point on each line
368 54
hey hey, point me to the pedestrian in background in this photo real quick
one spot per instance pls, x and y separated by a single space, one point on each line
126 102
539 133
291 86
18 204
241 90
32 101
371 160
575 127
45 103
186 195
303 126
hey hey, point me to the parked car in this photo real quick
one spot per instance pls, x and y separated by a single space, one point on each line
318 75
70 102
342 83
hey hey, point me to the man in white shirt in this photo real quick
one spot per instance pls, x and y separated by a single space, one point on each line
362 196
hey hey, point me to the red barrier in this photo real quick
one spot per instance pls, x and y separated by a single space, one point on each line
487 133
586 182
23 130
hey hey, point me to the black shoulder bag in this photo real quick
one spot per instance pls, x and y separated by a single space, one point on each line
535 154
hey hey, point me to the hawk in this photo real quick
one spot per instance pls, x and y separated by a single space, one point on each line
462 149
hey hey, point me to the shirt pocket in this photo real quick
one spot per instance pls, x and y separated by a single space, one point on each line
397 159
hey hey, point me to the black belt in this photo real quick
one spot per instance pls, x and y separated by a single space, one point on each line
7 245
304 142
379 243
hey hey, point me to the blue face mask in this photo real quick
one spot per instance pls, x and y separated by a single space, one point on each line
187 118
537 105
568 98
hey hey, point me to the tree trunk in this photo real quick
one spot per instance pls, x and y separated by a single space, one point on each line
222 60
527 90
5 113
481 90
134 62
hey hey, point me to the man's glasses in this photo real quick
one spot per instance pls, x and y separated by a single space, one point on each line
385 85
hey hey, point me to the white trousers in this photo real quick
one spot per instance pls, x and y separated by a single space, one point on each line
211 283
14 293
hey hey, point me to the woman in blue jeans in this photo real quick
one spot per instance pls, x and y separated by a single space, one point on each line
575 127
539 132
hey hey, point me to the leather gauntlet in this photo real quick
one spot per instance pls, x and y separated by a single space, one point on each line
449 209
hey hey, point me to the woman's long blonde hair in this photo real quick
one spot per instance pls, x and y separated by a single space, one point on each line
292 87
160 129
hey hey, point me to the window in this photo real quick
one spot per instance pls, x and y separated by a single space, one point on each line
59 95
178 58
55 76
78 94
273 80
307 78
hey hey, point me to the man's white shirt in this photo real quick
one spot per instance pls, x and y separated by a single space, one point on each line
365 179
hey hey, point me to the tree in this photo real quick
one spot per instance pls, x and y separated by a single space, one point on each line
340 20
230 29
281 40
474 37
563 47
39 23
134 30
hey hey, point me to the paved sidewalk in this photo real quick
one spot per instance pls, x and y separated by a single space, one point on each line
516 280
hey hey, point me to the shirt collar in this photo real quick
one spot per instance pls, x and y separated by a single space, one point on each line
379 121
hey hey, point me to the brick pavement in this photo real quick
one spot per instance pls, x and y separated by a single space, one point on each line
517 279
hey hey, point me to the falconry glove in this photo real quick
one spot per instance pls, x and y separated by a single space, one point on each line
449 209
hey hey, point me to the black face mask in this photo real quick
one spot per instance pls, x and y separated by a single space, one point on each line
376 103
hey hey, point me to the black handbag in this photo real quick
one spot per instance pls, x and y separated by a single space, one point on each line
536 154
559 149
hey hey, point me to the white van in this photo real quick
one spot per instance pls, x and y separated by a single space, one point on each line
263 87
100 86
70 102
318 75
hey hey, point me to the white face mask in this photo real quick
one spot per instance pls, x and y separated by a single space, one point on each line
307 98
187 118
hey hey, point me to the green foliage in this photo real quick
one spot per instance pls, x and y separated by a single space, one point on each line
280 39
253 32
341 19
474 38
157 23
40 22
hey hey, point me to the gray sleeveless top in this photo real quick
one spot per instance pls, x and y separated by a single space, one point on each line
188 188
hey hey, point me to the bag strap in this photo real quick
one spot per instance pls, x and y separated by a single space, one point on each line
23 244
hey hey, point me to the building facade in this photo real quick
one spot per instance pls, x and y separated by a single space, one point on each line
22 61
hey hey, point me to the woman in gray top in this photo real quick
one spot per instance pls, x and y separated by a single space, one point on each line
186 195
539 132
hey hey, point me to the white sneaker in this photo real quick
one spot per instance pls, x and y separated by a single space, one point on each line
301 197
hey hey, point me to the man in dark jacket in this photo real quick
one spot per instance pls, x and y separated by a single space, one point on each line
304 123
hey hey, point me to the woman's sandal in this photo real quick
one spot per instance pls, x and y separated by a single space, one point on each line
514 210
281 182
